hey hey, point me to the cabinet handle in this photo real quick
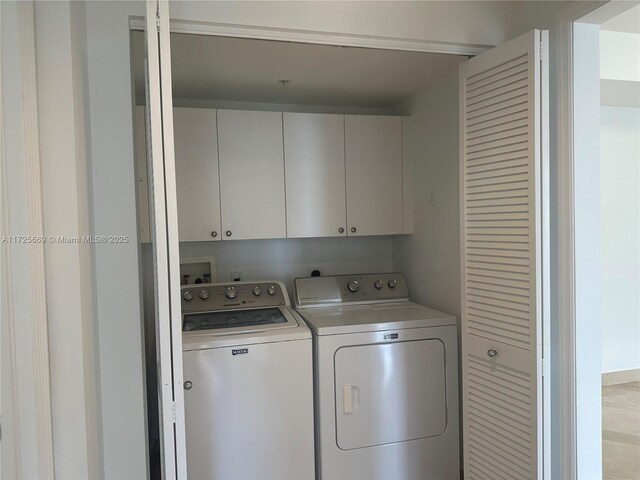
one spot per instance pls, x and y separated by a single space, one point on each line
214 234
228 233
341 230
353 229
492 353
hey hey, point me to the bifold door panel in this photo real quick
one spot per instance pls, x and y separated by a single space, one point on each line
388 393
503 105
163 233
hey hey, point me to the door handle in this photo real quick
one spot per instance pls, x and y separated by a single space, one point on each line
347 400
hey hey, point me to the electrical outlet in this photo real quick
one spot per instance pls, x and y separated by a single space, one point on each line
314 269
236 276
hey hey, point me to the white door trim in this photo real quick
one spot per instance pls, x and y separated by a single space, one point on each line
565 275
28 341
316 37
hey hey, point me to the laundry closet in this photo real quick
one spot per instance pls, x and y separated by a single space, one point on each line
256 203
301 160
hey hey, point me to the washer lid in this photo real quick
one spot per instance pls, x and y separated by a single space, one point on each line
220 322
371 318
203 330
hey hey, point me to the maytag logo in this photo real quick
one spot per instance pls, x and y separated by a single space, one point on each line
239 351
390 336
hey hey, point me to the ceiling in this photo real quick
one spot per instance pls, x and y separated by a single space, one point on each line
237 69
628 21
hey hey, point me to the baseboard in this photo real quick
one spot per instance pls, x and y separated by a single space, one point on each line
623 376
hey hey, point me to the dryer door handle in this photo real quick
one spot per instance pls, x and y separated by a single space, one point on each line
347 399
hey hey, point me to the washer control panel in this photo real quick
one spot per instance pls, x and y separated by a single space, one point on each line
206 297
369 287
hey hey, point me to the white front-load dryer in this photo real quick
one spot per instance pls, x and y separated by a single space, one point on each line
247 364
386 387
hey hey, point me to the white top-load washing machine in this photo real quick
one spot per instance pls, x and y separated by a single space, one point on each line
386 382
248 383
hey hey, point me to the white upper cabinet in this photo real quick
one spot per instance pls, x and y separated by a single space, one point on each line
315 175
251 174
373 146
197 183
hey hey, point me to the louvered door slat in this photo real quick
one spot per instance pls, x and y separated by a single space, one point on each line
474 285
497 72
504 121
501 173
512 76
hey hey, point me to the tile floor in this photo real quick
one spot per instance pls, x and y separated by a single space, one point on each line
621 431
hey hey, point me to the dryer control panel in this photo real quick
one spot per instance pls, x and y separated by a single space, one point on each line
357 288
208 297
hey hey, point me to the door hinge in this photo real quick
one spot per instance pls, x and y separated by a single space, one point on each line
173 412
541 49
158 19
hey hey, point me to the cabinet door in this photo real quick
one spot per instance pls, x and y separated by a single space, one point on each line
251 174
315 175
373 147
197 180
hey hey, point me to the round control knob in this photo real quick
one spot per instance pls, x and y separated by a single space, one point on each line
203 294
353 286
188 296
230 292
393 283
271 290
378 284
257 291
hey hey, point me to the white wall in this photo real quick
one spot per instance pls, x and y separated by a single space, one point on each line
619 56
430 258
619 69
620 237
287 259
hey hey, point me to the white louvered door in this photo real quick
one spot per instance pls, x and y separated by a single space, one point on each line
504 260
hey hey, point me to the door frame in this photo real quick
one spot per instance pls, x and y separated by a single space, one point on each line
571 346
28 410
315 37
310 37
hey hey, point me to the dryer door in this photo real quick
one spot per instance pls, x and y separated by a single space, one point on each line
389 392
